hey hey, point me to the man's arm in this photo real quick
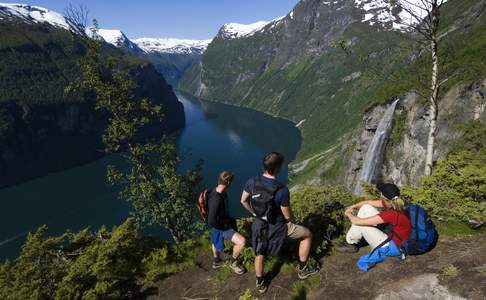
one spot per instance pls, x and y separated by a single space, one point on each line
287 213
244 201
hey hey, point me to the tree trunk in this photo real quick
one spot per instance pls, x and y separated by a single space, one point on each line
175 236
434 86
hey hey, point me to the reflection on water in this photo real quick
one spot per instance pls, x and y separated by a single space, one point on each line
225 137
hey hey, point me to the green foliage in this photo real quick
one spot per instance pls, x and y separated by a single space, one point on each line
152 184
101 265
448 272
247 295
37 271
457 188
169 259
301 288
107 269
107 264
321 210
398 128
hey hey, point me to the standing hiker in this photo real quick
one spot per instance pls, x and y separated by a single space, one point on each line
269 201
223 226
365 226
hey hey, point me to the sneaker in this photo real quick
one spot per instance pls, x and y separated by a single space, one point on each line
306 271
218 263
237 268
347 248
262 286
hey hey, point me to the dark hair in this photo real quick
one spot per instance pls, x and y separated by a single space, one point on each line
272 162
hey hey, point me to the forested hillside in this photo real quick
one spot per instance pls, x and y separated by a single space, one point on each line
42 127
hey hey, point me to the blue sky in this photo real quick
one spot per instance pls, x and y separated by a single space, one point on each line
197 19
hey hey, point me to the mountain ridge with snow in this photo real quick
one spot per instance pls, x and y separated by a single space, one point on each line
238 30
35 14
172 45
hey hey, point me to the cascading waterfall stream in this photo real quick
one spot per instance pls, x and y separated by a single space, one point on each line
374 156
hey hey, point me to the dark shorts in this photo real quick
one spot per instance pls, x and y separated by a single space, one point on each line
219 236
267 239
228 234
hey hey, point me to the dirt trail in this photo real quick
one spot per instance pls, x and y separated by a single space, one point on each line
455 269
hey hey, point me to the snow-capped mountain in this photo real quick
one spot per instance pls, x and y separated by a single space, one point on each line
118 39
34 14
237 30
172 46
389 13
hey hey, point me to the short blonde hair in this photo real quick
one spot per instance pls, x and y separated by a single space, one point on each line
225 178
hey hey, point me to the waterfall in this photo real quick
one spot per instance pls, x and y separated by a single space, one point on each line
370 170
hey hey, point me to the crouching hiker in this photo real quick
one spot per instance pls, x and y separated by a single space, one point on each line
365 224
269 202
223 226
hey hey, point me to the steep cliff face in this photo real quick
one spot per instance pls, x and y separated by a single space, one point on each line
404 159
42 129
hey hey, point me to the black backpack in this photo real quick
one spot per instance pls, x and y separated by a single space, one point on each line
262 200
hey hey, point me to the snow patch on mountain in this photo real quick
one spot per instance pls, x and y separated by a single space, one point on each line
172 45
392 16
112 36
236 30
34 14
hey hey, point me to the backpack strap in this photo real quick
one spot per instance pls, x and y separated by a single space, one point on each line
257 180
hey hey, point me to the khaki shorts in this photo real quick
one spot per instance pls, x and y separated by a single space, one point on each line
296 232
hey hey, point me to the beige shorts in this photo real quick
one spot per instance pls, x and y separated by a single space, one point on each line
296 232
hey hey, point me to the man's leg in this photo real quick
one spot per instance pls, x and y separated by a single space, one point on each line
298 232
261 283
215 252
239 242
305 246
259 260
217 262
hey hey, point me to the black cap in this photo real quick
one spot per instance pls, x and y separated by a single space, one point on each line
389 190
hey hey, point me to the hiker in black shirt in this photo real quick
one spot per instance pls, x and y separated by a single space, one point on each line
222 225
270 229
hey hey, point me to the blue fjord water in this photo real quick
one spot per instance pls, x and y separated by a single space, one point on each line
225 137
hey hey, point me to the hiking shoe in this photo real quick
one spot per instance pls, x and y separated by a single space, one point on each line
306 271
347 248
237 268
218 263
262 286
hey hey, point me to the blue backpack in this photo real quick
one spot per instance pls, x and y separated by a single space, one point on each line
423 235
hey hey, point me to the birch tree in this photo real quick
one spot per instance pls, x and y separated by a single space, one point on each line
423 17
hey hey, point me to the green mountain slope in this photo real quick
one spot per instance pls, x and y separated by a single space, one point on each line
294 70
43 128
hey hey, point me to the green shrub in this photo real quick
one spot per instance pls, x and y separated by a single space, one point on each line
321 210
107 264
457 188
